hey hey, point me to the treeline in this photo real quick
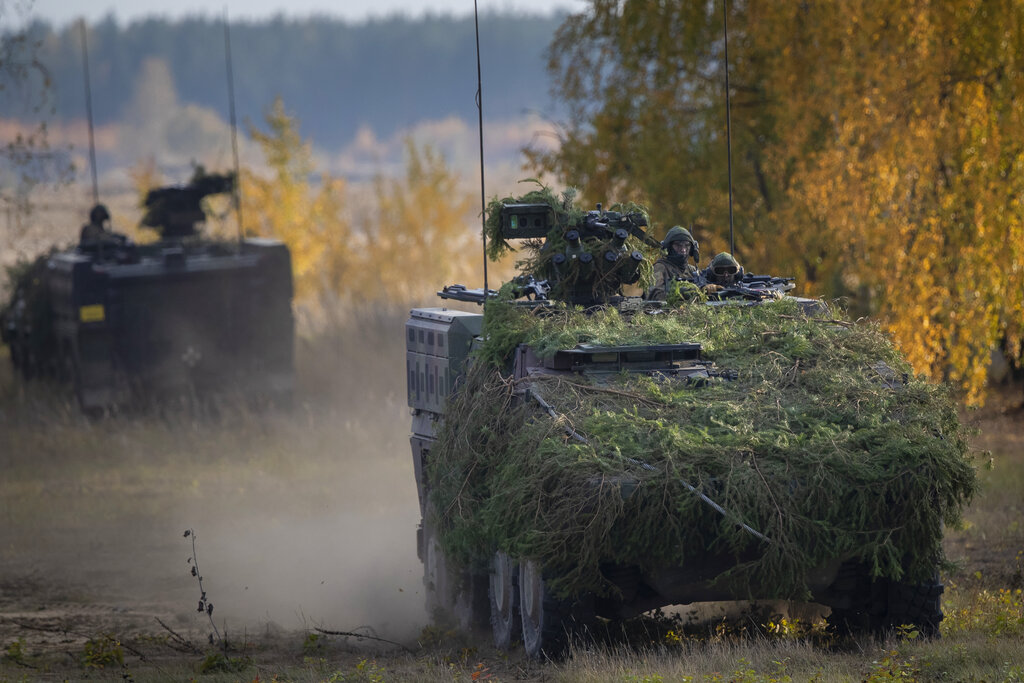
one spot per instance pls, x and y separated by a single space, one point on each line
334 75
876 148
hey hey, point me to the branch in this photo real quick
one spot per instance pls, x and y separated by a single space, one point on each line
363 635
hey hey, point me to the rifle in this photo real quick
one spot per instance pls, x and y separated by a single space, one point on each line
751 287
535 291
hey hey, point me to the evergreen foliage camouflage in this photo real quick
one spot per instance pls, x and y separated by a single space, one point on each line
539 254
826 443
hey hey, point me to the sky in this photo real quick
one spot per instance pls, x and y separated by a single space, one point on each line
61 12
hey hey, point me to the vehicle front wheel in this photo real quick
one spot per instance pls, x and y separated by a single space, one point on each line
437 579
455 597
504 600
881 606
549 623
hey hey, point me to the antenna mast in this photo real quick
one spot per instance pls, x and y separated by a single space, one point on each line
728 118
88 111
480 112
237 192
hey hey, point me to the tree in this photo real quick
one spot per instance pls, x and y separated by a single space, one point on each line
415 238
877 150
26 157
285 205
420 238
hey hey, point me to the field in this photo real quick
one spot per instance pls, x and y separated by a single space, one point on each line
305 522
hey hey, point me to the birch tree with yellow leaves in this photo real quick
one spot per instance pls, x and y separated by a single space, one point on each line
285 205
879 150
420 237
416 237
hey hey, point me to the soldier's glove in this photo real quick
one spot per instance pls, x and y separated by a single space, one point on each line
711 289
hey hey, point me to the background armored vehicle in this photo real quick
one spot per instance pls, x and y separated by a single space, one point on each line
182 316
580 463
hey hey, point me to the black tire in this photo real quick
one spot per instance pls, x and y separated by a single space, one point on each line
471 609
550 624
918 605
437 580
883 607
453 597
503 594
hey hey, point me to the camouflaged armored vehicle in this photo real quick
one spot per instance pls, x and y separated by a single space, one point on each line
583 456
182 316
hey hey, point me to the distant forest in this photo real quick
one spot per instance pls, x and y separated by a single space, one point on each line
333 75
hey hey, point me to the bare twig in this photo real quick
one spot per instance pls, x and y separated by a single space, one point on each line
184 642
63 630
354 634
204 604
599 390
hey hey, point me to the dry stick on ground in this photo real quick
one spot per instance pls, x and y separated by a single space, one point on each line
67 631
363 635
184 642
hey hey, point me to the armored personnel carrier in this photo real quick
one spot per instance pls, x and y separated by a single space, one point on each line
182 316
584 456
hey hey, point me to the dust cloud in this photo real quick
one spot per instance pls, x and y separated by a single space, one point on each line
303 519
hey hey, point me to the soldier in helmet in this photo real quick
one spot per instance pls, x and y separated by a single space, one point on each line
679 246
97 229
724 271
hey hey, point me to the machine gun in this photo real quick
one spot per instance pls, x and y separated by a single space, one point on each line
750 287
174 211
536 292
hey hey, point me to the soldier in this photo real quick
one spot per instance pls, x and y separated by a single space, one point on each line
96 230
724 271
679 246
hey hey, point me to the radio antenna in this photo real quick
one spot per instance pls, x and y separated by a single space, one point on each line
237 192
728 119
88 112
480 116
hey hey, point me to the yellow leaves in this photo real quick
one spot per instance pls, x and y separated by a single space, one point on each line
421 236
418 236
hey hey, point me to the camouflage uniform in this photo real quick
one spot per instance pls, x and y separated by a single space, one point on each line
724 270
672 267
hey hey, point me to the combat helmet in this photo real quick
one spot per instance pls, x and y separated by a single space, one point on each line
679 234
98 214
724 270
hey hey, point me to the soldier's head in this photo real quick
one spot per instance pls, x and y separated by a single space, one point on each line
679 245
99 215
724 270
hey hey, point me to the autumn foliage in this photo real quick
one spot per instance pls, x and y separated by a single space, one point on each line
414 236
877 151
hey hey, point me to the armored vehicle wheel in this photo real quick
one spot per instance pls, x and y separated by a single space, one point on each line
915 604
437 579
471 611
454 597
881 607
549 623
506 623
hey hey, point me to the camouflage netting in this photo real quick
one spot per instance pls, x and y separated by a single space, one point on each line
814 446
538 254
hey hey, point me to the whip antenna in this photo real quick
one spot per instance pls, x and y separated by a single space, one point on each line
237 191
88 112
480 113
728 118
